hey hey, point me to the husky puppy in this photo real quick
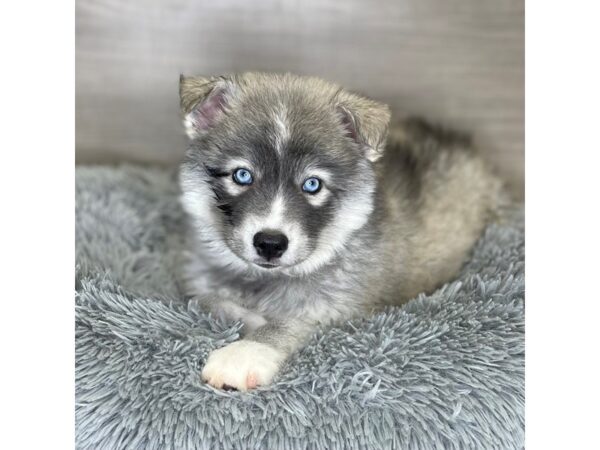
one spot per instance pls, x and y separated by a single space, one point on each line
303 211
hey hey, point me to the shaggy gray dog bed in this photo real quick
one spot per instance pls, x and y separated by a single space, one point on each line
444 371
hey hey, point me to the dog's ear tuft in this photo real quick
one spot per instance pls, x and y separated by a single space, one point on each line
365 121
203 101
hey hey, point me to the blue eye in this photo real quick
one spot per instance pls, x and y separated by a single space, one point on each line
242 176
311 185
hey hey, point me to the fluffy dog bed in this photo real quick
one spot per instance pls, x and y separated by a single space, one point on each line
444 371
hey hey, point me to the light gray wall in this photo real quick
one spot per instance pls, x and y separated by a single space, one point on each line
456 61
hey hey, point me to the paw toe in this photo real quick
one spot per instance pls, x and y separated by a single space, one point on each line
251 380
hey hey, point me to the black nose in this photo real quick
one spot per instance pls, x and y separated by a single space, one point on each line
270 245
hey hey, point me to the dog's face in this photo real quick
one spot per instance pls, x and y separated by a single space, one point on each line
279 170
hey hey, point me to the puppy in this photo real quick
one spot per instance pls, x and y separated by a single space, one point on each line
303 211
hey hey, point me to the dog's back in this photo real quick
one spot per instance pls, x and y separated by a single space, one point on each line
439 194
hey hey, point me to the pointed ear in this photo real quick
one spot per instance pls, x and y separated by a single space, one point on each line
365 121
203 101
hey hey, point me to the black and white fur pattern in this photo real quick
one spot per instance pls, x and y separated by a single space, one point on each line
396 215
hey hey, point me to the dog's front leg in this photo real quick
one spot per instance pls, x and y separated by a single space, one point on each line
256 359
229 310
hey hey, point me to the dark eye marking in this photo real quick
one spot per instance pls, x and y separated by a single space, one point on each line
222 204
227 211
215 172
226 208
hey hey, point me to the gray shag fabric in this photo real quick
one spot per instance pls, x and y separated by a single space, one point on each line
444 371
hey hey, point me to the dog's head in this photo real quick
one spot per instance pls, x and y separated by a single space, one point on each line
279 170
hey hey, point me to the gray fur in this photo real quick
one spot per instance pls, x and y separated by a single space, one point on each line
392 220
445 370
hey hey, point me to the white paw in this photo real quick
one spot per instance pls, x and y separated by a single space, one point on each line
242 365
